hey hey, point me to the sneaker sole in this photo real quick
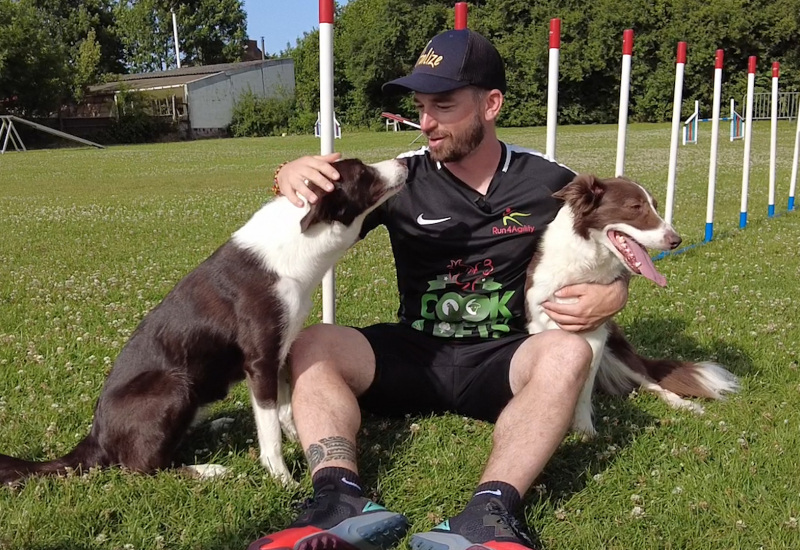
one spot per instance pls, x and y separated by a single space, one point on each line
441 541
373 531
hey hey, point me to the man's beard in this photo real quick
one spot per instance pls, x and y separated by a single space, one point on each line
459 146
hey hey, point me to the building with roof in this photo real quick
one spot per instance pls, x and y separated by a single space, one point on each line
200 99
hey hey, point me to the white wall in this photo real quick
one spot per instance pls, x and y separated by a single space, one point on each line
211 99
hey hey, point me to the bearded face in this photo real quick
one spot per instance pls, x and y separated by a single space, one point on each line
457 143
453 122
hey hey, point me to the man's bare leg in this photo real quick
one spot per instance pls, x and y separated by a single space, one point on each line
546 376
330 366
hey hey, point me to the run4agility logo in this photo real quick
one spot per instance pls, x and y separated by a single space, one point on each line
465 302
513 223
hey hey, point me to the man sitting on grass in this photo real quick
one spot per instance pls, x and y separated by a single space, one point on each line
462 232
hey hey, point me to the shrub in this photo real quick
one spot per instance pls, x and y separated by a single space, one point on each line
255 116
134 124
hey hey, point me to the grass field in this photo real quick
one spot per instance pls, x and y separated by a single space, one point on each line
91 240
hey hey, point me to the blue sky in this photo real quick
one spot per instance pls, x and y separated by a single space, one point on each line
281 21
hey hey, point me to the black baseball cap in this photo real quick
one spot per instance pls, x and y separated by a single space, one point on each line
453 60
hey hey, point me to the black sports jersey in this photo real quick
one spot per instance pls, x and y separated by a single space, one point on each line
461 257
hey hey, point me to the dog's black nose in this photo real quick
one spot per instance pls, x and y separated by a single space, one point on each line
674 241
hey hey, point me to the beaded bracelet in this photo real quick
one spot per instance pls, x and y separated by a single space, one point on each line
275 187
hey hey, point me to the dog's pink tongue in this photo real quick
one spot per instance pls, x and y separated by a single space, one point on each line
647 268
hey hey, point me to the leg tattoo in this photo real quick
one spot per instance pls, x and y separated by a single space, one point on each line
330 448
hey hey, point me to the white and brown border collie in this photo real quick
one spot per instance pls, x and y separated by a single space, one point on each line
234 317
600 233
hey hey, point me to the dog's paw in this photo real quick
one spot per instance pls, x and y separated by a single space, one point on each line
585 428
286 479
677 402
691 406
277 469
205 471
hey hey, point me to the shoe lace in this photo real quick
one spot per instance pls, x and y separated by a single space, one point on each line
309 503
510 522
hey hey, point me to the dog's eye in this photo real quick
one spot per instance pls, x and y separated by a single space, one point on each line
637 206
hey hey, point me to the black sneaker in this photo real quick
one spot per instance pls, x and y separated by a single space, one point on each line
495 529
335 521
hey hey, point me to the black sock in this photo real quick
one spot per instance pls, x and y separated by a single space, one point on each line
343 480
499 490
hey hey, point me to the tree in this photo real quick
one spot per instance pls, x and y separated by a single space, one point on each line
214 31
209 31
34 75
87 64
71 21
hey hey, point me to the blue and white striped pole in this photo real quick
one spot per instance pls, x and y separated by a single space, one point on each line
748 138
712 165
773 140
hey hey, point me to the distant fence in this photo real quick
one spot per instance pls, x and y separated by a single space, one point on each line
787 105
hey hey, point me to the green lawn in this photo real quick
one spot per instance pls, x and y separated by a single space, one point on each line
92 239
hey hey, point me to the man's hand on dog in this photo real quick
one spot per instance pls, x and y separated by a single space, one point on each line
307 176
582 307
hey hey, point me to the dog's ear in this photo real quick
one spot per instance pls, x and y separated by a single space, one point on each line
316 211
309 219
582 193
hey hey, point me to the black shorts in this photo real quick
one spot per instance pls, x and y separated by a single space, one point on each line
416 373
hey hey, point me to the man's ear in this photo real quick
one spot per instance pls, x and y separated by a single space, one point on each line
494 101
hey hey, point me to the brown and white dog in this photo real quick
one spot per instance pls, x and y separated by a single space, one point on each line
233 317
601 232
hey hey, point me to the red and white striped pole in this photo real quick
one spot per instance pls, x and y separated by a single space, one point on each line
552 88
326 131
712 163
624 99
680 67
748 139
462 10
773 139
793 181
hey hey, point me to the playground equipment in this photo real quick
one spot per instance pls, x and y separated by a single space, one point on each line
10 135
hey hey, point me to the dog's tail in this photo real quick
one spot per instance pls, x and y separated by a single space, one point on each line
623 370
85 455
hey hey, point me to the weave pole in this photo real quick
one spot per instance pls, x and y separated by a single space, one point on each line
712 163
773 139
624 99
748 139
326 132
552 88
462 10
680 67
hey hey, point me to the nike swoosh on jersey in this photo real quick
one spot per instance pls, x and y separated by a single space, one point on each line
422 221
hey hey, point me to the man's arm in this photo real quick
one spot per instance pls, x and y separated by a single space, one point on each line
587 306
